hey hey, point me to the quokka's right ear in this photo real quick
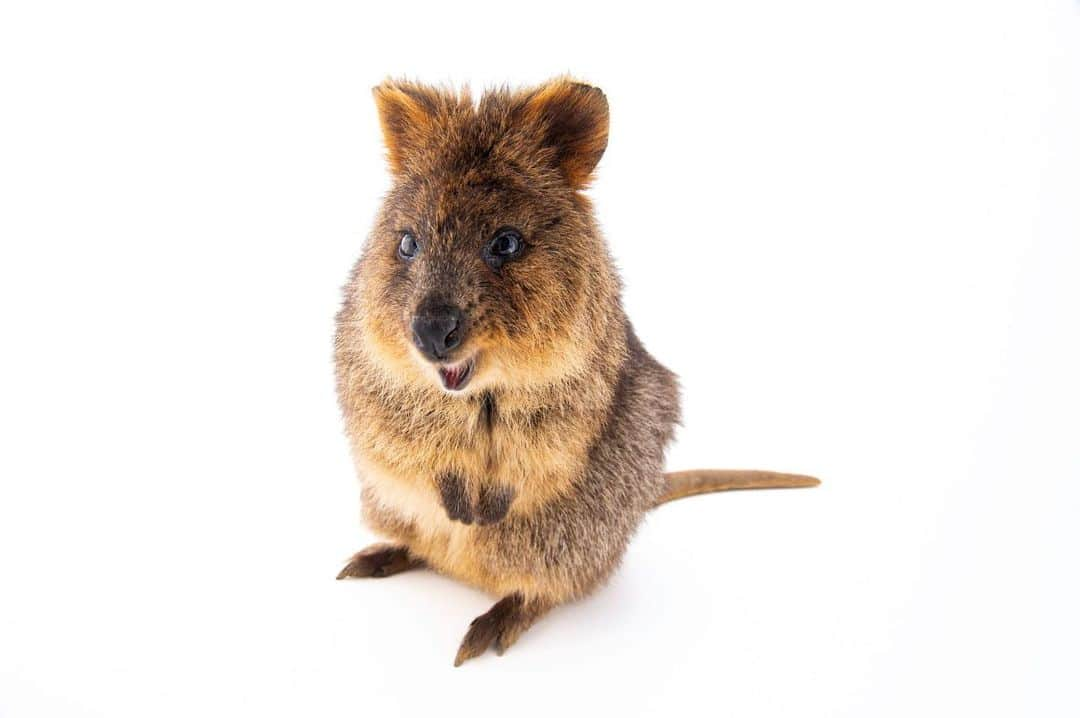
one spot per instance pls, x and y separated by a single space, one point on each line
408 113
572 119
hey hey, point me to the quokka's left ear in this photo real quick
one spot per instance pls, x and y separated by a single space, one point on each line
572 118
409 113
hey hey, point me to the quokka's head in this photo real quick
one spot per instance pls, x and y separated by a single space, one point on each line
485 268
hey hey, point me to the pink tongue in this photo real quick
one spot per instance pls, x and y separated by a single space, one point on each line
451 377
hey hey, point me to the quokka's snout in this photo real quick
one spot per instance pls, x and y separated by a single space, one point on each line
438 328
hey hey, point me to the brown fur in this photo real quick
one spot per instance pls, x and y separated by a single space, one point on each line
531 481
681 484
379 561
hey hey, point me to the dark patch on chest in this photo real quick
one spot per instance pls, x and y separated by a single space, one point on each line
488 412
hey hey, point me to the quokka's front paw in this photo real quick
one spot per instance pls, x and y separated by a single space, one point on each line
455 498
492 504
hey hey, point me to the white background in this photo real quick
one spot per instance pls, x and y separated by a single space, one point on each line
852 228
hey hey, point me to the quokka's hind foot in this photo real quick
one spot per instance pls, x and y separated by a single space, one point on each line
502 626
379 561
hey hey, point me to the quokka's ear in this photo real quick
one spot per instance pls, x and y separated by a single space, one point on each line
573 120
408 112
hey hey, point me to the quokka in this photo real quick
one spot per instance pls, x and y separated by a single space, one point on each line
507 424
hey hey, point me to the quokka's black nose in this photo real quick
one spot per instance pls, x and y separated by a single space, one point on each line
437 330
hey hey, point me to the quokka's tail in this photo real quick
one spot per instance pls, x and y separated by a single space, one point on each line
705 481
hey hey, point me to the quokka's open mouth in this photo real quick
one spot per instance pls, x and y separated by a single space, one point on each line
456 376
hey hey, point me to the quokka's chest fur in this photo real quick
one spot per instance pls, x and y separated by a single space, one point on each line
492 441
535 445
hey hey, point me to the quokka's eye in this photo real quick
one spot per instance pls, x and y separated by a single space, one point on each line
408 247
507 243
504 246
